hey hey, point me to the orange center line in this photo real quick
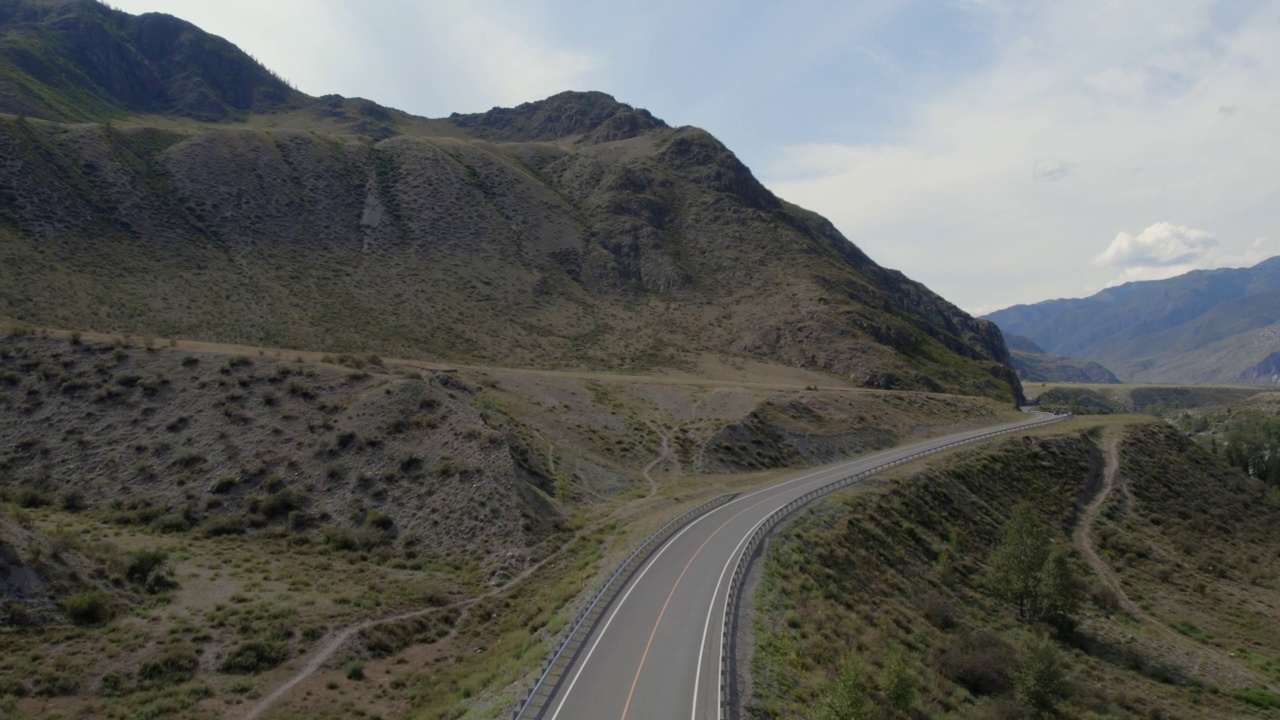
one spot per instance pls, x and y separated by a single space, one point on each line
653 633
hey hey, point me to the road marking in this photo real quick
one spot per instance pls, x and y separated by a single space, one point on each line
635 583
604 630
903 452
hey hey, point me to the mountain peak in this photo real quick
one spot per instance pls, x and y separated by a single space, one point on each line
594 115
80 59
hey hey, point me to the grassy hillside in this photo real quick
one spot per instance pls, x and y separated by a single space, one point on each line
887 594
183 529
173 186
628 253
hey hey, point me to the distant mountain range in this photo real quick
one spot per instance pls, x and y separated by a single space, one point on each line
1204 327
158 181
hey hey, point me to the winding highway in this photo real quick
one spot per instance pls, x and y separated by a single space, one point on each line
655 652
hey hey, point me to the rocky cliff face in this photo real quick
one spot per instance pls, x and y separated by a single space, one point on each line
574 231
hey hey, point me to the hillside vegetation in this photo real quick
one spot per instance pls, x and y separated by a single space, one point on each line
886 603
189 193
182 529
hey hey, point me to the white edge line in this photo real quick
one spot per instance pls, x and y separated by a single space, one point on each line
634 583
702 648
711 608
652 561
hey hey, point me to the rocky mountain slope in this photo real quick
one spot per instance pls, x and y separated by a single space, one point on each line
1035 365
1204 327
575 231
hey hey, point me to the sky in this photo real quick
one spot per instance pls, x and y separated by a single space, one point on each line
1001 152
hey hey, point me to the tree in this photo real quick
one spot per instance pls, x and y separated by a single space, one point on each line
1041 679
898 684
1016 563
845 697
1059 591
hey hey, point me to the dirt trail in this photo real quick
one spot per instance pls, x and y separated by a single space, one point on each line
1193 658
1083 537
334 642
664 453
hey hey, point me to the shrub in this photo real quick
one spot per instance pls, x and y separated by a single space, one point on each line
171 523
149 569
280 504
32 497
298 388
379 519
253 656
128 379
91 607
174 666
339 539
981 661
73 500
225 525
355 671
1042 678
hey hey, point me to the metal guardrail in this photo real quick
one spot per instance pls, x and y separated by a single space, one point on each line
533 704
729 696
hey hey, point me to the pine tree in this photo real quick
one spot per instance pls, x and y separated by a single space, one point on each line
1016 563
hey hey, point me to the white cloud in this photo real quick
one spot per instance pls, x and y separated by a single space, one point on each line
1164 250
1160 245
1112 87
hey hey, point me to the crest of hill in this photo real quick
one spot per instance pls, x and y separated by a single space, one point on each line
593 115
1203 327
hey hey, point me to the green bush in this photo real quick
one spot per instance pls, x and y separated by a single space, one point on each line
91 607
149 570
225 525
174 666
254 656
280 504
73 500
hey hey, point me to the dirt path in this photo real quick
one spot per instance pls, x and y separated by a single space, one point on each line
334 642
1193 658
664 452
1083 536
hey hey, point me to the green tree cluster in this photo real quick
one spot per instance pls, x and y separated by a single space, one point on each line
1252 443
1029 572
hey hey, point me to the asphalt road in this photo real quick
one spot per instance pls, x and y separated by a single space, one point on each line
655 655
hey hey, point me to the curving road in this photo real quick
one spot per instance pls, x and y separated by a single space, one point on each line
655 653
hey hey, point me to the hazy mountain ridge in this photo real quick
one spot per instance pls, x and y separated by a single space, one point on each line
1207 326
1033 364
572 231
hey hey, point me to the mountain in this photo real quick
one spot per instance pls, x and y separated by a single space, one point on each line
81 60
575 231
1033 364
1204 327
